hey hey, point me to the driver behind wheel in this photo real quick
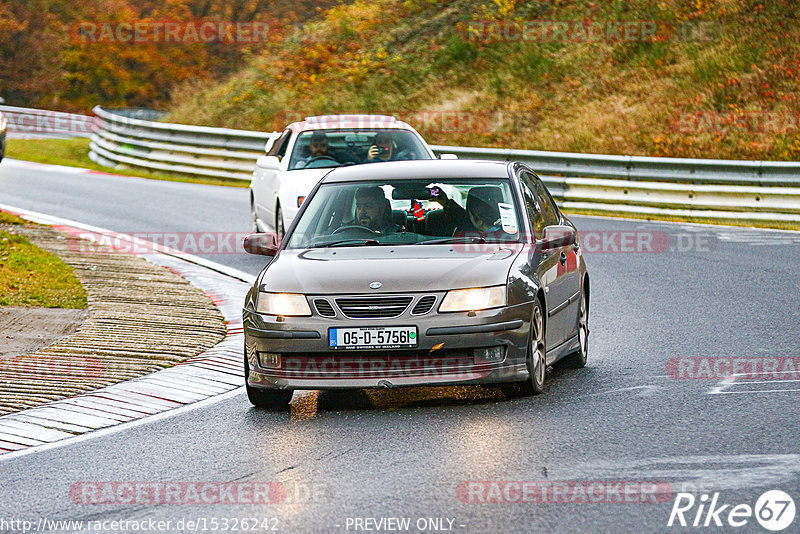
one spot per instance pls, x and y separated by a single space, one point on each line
318 147
374 211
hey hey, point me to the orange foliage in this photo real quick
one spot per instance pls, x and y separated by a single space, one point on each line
46 61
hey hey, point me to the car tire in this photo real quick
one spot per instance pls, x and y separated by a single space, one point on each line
535 360
280 229
270 399
578 358
253 217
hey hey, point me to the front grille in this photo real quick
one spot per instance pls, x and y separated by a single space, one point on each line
424 305
324 308
373 307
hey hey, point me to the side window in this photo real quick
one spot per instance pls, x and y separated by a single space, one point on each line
549 213
279 146
534 213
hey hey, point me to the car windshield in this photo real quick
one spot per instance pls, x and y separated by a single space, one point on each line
409 212
332 148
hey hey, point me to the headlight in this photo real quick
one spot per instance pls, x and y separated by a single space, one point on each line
289 304
478 298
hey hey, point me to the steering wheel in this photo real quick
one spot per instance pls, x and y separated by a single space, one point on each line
320 158
354 227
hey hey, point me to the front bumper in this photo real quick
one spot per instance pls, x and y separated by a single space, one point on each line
445 352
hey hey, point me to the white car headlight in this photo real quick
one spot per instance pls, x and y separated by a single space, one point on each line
478 298
288 304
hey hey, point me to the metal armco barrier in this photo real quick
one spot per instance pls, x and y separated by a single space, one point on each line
198 150
714 189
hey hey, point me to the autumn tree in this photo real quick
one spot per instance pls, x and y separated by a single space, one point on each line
48 61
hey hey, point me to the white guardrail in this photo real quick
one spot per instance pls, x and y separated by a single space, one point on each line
714 189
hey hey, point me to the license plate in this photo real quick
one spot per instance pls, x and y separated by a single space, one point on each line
373 337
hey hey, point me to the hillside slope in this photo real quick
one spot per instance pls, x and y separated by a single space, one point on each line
706 78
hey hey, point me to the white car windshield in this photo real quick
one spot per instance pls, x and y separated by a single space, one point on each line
408 212
332 148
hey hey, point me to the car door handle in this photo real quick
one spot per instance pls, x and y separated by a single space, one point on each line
563 258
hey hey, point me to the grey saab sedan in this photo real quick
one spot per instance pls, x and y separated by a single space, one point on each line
417 273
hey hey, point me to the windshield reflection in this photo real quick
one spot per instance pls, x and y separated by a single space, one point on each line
411 212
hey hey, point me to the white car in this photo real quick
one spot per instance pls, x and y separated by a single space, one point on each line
297 159
3 128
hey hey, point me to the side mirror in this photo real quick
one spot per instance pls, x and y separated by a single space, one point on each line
265 244
557 236
269 162
271 141
448 156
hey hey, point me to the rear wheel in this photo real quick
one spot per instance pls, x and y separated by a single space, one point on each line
271 399
535 360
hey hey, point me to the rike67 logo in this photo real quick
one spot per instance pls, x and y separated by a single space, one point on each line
774 510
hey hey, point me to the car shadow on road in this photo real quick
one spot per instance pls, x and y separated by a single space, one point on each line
309 404
411 397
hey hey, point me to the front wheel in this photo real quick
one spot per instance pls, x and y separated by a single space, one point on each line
578 358
253 218
279 227
535 360
271 399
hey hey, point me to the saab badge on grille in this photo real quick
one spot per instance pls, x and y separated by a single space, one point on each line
375 285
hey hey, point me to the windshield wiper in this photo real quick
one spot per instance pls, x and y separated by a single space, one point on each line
470 239
346 242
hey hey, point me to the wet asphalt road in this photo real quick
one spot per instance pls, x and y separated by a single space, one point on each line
346 457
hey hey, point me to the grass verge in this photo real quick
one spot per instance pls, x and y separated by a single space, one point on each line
30 276
74 153
10 218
